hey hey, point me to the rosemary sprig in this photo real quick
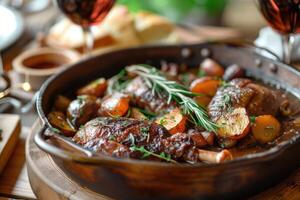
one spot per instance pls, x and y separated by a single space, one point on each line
147 153
174 91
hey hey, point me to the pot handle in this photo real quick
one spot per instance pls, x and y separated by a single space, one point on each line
265 50
82 155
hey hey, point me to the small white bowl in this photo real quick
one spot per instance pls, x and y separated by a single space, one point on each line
37 64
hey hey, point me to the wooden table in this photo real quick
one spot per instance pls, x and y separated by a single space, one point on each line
14 182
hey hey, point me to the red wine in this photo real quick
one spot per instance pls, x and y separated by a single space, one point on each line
85 12
282 15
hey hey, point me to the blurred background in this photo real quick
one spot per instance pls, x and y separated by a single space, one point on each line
240 14
35 20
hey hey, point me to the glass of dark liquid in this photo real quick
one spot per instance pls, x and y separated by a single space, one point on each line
86 13
284 17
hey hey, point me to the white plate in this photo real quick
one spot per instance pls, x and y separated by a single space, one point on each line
11 26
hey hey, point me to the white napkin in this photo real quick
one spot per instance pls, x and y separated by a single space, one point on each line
271 40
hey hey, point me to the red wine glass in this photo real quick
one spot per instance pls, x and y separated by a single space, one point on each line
86 13
284 17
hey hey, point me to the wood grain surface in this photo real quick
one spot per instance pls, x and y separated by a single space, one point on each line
14 181
10 127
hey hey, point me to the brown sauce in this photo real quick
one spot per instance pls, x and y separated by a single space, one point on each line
44 65
45 61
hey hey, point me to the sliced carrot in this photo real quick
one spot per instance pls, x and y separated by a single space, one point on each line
206 85
202 100
211 68
96 88
266 128
174 122
114 106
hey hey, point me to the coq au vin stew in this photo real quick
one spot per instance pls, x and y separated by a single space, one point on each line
177 114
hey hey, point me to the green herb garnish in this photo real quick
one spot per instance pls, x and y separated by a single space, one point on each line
145 133
1 131
173 118
118 82
163 121
225 84
159 84
131 139
81 113
227 100
148 114
185 79
81 99
112 138
55 130
252 119
128 113
147 153
145 130
201 73
125 123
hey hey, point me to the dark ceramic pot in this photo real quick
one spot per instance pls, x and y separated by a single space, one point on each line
134 179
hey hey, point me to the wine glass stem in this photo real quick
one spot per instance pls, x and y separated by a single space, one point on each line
89 41
287 45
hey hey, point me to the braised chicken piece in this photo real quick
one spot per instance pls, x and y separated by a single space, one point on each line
122 130
143 96
257 99
234 104
120 137
264 102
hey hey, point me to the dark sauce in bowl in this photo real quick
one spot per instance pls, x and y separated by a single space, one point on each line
46 61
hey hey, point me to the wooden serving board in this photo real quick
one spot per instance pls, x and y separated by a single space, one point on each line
49 182
10 126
